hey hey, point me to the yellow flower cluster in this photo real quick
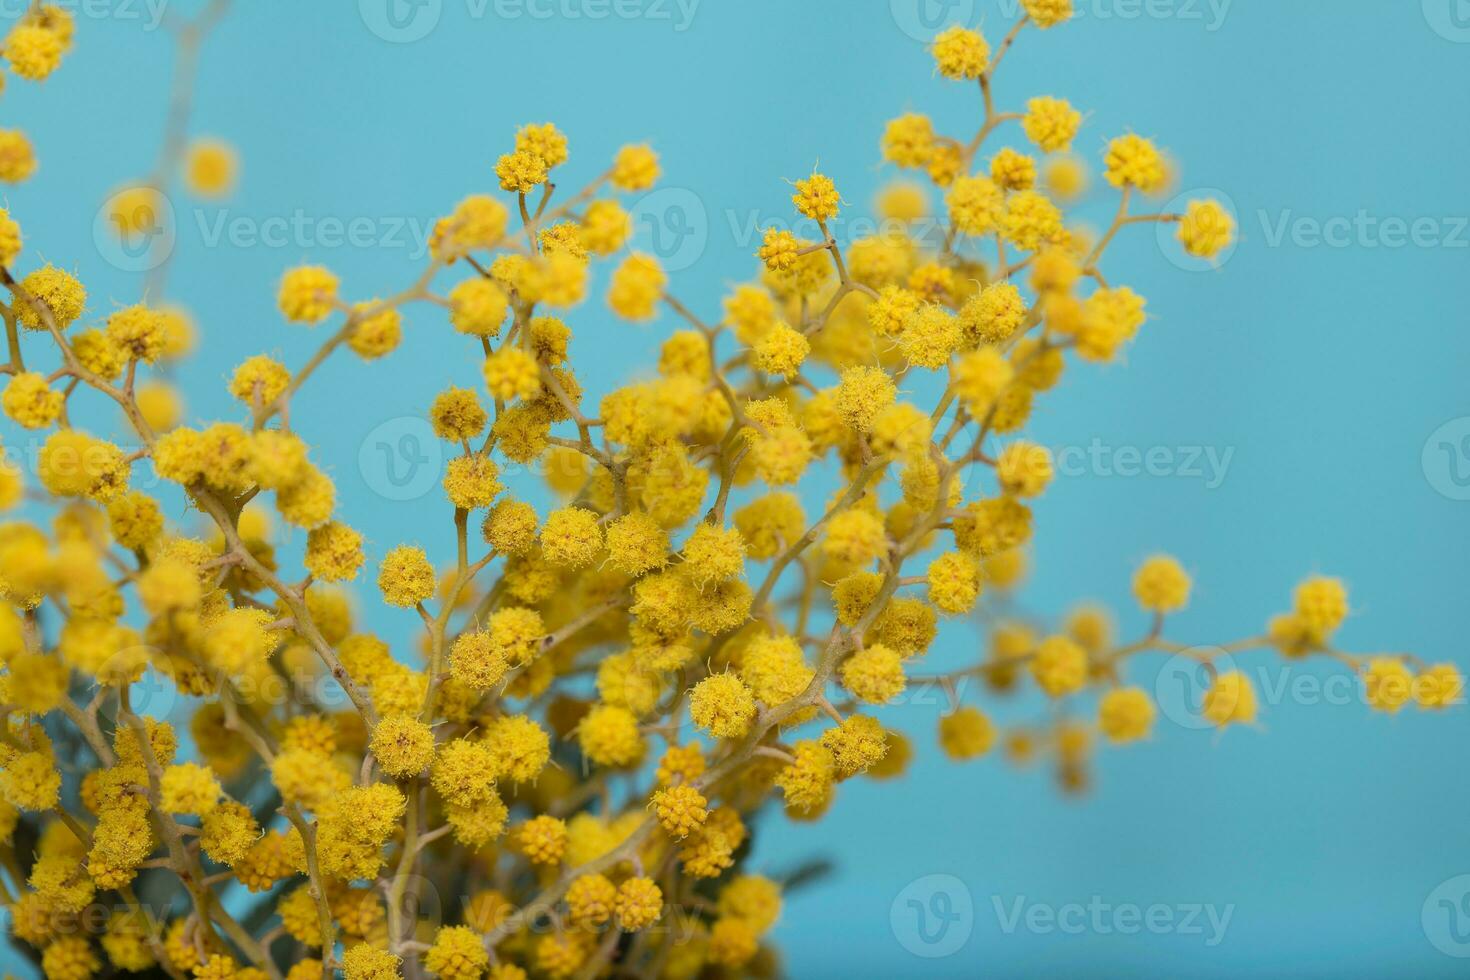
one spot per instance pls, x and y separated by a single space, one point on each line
602 697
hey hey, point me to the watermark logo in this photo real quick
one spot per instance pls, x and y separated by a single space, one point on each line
401 21
923 19
1183 681
1099 917
933 916
1206 464
401 459
1450 19
1445 917
1186 678
1168 231
406 21
135 230
304 232
679 14
149 12
672 225
416 907
1364 230
150 694
1446 459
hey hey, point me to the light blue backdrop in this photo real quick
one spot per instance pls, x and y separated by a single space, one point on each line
1322 366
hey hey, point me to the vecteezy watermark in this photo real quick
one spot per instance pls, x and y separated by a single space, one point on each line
1446 459
24 455
405 21
401 459
307 232
138 229
1363 230
152 693
1208 464
679 14
672 225
933 916
1102 918
1185 678
1450 19
149 13
923 19
932 693
157 694
401 21
1445 916
1181 685
135 230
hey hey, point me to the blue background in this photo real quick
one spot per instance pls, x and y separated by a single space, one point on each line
1324 369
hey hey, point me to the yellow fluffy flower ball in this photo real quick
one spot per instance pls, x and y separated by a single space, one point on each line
1206 229
307 294
405 577
211 168
635 168
966 733
1230 699
722 705
960 53
1161 585
1133 161
1126 714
